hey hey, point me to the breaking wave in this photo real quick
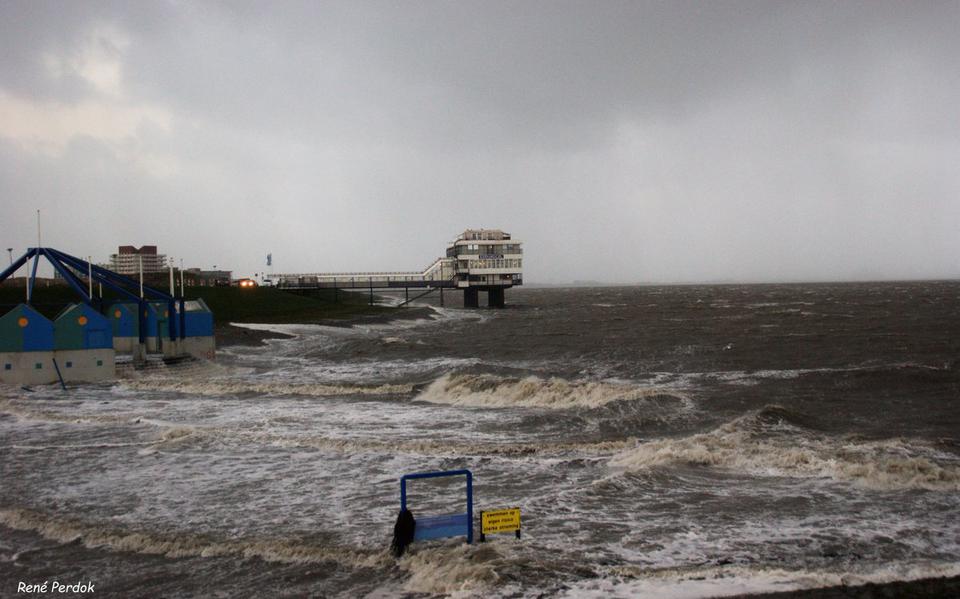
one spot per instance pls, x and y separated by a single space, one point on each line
185 434
22 410
489 391
95 535
224 387
462 570
765 443
459 570
174 434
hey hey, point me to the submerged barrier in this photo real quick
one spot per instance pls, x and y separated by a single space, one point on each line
409 528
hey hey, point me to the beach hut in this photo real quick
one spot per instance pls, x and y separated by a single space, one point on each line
81 327
125 325
83 343
198 330
26 347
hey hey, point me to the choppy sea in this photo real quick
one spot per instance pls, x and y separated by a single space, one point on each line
688 441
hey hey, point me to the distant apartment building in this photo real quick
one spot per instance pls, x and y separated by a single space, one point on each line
127 260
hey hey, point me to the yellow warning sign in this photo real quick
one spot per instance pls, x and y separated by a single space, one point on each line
495 521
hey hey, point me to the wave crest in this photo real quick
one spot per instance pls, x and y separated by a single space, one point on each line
488 391
94 535
223 387
752 445
176 435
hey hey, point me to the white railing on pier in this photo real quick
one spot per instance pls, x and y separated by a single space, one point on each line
368 277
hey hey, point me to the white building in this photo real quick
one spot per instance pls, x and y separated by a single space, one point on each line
127 260
486 257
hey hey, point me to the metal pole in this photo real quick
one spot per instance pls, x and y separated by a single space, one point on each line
33 276
469 507
10 251
172 292
39 245
182 292
140 257
89 278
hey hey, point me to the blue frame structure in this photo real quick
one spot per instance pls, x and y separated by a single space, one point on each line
438 527
65 265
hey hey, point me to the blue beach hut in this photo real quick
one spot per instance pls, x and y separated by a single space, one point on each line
24 329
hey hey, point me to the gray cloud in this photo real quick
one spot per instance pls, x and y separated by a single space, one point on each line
622 141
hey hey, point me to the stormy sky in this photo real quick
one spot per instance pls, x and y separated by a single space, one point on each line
622 142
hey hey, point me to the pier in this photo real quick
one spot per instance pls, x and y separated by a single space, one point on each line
478 260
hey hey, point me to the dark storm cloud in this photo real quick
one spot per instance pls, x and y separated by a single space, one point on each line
622 141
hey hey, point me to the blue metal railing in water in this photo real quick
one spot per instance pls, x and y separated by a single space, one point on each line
449 525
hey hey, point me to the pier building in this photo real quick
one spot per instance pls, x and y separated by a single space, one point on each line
478 260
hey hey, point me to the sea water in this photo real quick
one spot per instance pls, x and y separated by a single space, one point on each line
660 441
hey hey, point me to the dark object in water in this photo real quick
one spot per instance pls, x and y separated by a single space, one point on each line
403 532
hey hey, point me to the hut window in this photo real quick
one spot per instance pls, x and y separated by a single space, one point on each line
99 362
69 364
38 366
8 366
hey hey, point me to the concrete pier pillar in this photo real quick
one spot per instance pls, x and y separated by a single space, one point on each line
471 297
495 297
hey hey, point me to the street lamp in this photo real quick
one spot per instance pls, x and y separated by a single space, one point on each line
10 251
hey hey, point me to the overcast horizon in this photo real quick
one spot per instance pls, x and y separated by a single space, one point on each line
621 142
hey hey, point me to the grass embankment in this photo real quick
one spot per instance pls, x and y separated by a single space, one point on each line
270 305
229 304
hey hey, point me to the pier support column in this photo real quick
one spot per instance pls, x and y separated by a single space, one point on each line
495 297
471 297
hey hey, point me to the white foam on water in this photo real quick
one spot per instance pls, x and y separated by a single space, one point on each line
26 411
455 570
76 446
175 434
96 535
272 388
490 391
888 464
381 370
631 582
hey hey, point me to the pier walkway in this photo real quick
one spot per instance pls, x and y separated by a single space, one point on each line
478 260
